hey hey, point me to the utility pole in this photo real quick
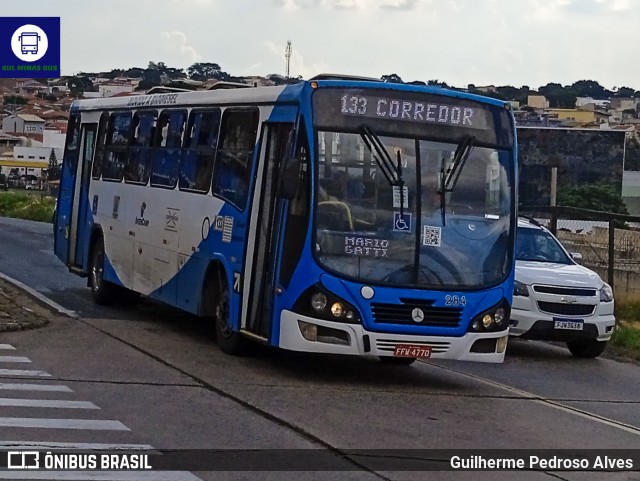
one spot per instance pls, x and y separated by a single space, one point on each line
287 56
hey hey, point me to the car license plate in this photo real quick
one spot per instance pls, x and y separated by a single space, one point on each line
411 350
568 324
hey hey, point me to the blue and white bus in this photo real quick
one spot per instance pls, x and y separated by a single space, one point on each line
335 215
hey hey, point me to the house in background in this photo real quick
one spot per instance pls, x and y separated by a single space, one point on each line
23 124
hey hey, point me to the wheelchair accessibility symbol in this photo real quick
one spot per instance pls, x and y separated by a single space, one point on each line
401 222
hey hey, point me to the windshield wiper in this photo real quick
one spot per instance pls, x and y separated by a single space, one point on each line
449 179
393 173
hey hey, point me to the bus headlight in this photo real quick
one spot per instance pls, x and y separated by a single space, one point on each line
494 319
337 309
319 303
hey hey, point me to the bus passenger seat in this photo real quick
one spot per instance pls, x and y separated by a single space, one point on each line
334 215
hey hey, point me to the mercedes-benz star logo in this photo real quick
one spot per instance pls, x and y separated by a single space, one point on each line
417 315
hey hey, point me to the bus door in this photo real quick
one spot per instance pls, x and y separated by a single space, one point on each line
266 216
65 232
81 218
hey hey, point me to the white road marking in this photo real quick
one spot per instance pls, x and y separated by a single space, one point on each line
47 403
540 400
34 387
7 347
22 372
14 359
46 423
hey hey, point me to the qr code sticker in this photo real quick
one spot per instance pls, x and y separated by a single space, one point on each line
431 236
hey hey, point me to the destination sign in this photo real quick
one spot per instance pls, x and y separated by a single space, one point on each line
410 113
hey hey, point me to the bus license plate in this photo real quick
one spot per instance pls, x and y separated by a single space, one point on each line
568 324
411 350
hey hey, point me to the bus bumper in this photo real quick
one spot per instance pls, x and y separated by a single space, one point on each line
308 334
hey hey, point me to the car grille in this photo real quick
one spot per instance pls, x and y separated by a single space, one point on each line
565 291
566 309
401 313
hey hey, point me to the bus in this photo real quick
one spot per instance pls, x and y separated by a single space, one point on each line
335 215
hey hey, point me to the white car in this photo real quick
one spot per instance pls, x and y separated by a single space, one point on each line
556 299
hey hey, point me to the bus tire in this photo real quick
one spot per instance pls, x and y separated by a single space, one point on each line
397 361
102 291
229 341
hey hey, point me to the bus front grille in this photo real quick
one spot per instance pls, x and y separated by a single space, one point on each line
405 313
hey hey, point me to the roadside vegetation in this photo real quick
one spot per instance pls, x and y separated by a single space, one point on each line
626 338
30 206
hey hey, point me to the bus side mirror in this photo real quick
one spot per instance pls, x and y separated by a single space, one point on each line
288 182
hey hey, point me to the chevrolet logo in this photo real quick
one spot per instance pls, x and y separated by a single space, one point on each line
568 299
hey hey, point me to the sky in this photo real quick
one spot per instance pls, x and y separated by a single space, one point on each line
484 42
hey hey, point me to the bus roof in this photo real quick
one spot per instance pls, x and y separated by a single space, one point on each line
263 95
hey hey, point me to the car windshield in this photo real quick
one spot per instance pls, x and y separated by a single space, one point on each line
539 245
420 235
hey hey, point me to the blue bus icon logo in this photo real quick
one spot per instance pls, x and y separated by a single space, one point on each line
29 42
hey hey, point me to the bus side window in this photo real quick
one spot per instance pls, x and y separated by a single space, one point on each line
72 141
100 146
117 143
165 157
196 165
233 159
139 164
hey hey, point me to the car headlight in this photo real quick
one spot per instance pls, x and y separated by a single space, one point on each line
606 293
520 289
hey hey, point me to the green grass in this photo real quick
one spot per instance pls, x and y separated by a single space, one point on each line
626 340
30 206
626 337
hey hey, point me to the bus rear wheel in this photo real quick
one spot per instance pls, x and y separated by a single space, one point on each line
102 291
397 361
229 341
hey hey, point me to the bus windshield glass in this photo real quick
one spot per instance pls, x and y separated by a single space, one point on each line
410 205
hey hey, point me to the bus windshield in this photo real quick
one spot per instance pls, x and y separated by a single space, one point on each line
421 234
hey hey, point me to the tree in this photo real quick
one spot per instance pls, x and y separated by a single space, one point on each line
15 99
80 84
53 171
600 196
204 71
625 92
392 78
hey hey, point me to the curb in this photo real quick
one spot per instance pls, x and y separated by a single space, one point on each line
40 298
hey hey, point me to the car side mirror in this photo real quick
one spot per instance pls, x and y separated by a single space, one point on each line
576 256
288 182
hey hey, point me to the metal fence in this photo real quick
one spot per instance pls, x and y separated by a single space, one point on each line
609 243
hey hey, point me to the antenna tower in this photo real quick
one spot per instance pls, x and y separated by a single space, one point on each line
287 56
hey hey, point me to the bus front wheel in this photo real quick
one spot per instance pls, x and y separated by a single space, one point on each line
229 341
102 291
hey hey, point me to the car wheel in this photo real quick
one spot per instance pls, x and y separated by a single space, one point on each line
586 348
102 291
397 361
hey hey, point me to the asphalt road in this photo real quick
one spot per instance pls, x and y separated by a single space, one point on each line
158 373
